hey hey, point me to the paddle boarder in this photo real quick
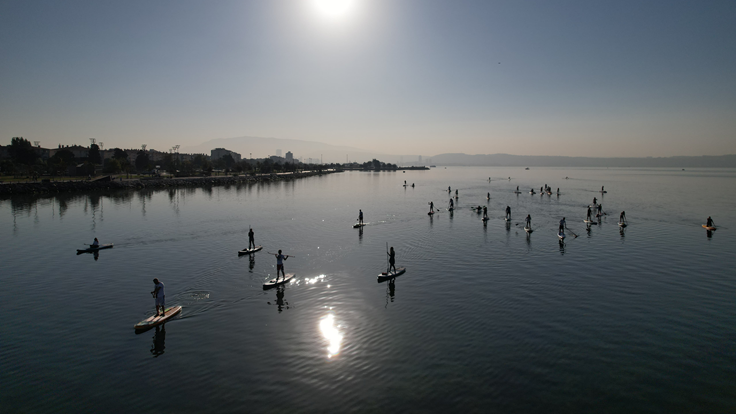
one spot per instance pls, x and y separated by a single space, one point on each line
508 213
96 243
449 190
622 217
588 216
455 193
708 223
360 216
485 212
563 226
431 207
600 209
488 197
595 201
602 190
391 260
517 189
452 204
158 294
529 221
251 238
280 265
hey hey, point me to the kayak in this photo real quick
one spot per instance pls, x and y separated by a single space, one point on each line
249 251
709 228
94 249
158 320
273 283
385 276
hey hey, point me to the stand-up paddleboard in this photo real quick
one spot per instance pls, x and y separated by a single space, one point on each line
590 222
385 276
507 219
484 219
604 192
620 224
451 209
273 283
528 229
709 228
357 225
517 192
158 320
561 236
532 192
430 213
94 249
249 251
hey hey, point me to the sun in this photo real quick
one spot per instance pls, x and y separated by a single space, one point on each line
334 9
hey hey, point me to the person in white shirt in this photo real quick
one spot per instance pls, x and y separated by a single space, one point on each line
158 293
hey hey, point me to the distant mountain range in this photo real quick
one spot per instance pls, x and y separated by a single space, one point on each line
507 160
262 147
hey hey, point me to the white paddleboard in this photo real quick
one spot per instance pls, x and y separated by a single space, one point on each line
528 229
385 276
158 320
273 283
561 236
622 224
356 225
249 251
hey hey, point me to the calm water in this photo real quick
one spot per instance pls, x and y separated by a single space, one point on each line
486 319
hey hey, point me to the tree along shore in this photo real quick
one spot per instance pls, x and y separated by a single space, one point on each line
109 183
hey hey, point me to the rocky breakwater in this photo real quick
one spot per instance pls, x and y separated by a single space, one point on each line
150 183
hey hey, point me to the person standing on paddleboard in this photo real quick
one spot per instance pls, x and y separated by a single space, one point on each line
595 201
563 226
159 295
485 212
452 204
588 216
529 221
360 216
96 243
251 239
508 213
391 260
280 265
431 207
622 217
708 223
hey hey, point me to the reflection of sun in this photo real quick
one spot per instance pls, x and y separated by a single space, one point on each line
330 332
334 9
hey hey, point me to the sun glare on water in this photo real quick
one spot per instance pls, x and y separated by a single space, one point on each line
334 9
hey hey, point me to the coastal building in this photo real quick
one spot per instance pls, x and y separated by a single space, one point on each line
289 157
218 153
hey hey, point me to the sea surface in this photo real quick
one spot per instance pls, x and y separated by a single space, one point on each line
487 319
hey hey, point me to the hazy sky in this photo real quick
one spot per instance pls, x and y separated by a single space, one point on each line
589 78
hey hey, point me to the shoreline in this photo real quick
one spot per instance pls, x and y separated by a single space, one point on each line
10 189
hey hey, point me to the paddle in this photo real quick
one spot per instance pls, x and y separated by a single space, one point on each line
571 232
286 255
